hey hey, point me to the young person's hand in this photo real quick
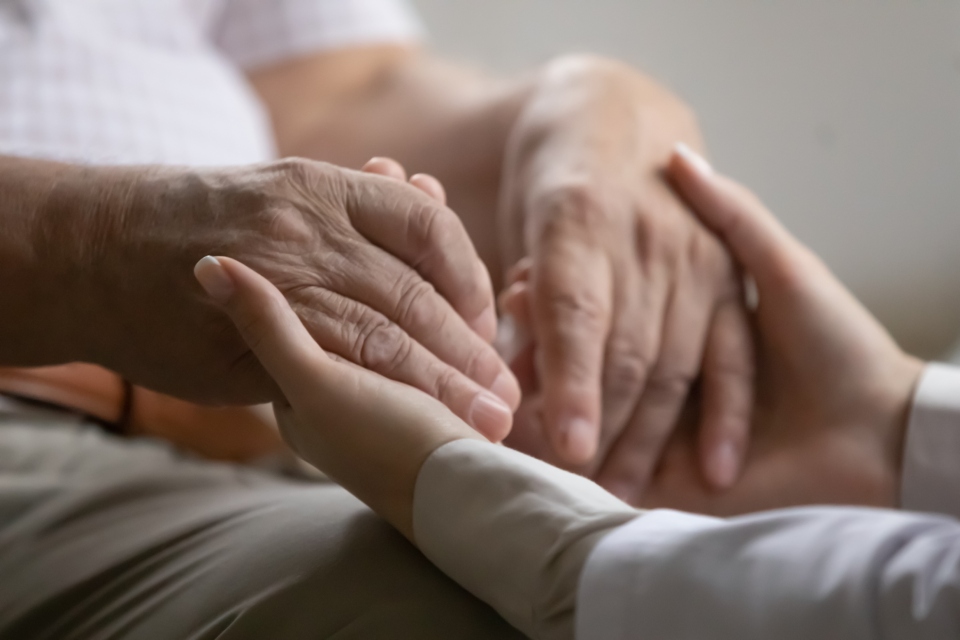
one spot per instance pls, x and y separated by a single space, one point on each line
367 432
834 389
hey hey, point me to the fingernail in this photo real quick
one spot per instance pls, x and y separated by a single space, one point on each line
724 465
697 161
507 389
214 279
579 440
491 416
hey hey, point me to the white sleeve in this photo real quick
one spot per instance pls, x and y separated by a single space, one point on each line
524 536
255 33
931 459
512 530
823 573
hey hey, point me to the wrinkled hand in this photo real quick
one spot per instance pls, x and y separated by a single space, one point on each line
630 296
382 275
834 389
343 419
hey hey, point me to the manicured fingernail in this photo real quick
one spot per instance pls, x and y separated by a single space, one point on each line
579 440
491 416
507 389
214 279
725 465
697 161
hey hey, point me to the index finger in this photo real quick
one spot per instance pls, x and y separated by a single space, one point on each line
425 234
571 308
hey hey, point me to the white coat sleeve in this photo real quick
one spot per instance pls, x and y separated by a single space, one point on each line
931 458
553 552
811 574
802 573
512 530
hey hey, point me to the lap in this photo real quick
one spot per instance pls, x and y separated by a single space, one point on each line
102 537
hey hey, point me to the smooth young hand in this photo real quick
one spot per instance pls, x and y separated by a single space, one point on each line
834 389
367 432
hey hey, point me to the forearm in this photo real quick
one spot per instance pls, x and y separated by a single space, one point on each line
797 573
514 531
48 218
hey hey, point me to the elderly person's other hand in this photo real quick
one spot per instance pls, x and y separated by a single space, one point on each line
834 390
382 274
631 297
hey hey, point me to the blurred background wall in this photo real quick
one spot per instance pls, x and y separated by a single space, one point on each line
843 114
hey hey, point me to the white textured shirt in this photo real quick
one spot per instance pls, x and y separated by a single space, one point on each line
162 81
560 558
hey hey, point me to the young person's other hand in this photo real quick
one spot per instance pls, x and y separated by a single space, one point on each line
834 389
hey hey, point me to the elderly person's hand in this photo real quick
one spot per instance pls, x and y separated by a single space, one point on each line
834 390
631 297
368 433
382 275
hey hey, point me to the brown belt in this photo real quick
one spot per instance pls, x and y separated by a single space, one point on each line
221 433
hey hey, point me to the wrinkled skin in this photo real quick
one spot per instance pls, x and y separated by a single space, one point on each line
382 274
630 296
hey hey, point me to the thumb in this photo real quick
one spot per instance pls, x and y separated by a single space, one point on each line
267 324
757 240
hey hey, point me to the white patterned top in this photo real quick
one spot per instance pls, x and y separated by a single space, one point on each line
161 81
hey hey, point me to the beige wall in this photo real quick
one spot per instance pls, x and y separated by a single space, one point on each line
843 114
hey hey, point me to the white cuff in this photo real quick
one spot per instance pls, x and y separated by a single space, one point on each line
931 457
512 530
610 589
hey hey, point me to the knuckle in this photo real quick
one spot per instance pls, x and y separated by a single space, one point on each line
626 369
669 387
732 366
479 365
297 171
433 229
441 243
381 346
443 383
574 204
413 309
575 312
659 237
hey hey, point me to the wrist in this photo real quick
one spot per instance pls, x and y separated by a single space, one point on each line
930 473
896 405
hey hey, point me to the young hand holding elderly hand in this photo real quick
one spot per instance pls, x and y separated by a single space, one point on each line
833 389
